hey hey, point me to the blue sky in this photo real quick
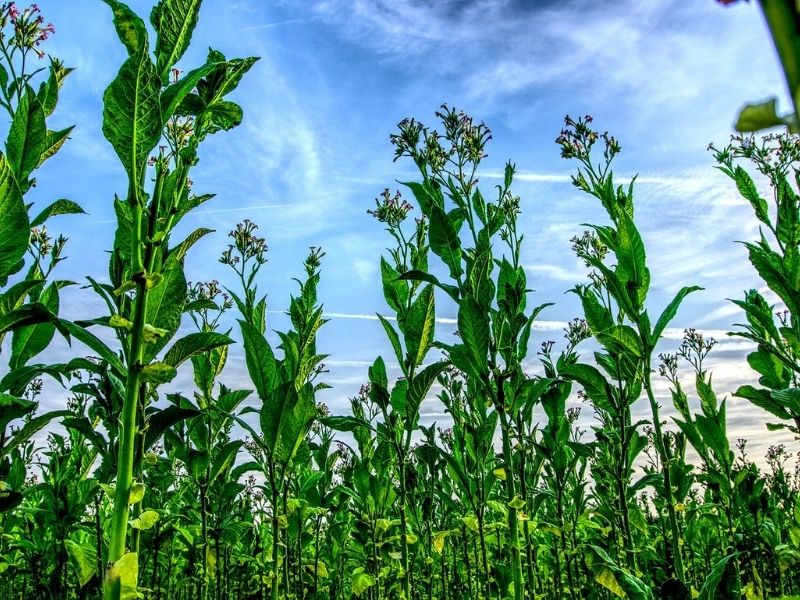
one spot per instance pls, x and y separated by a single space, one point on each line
335 77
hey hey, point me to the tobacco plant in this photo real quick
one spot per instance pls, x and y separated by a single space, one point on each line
614 307
29 297
490 292
146 103
776 259
286 386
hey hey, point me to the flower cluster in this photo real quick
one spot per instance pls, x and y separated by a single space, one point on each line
695 347
246 244
28 24
576 331
577 138
389 209
668 367
588 246
773 154
466 141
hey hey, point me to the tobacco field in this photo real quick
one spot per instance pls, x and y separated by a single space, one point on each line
133 488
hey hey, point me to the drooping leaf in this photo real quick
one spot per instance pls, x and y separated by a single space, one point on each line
33 339
193 344
758 116
69 328
145 520
59 207
81 557
25 316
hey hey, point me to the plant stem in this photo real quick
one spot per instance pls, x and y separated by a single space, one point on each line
662 451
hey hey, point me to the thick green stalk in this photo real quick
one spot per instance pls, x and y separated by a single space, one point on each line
516 557
403 531
142 257
662 451
128 425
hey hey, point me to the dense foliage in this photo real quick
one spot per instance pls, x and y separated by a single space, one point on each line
259 492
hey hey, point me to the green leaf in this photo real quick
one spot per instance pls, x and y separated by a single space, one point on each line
670 311
14 226
193 344
416 275
763 399
161 421
260 360
158 372
722 573
343 423
422 382
81 557
146 520
24 316
224 459
132 116
395 292
59 207
27 137
393 338
29 429
174 22
473 327
165 306
12 407
130 27
224 115
179 252
444 241
420 326
750 193
769 366
177 92
758 116
53 142
69 328
632 270
33 339
593 383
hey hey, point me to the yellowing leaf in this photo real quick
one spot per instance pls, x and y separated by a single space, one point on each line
500 473
517 503
471 522
145 520
608 580
123 576
137 494
438 541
